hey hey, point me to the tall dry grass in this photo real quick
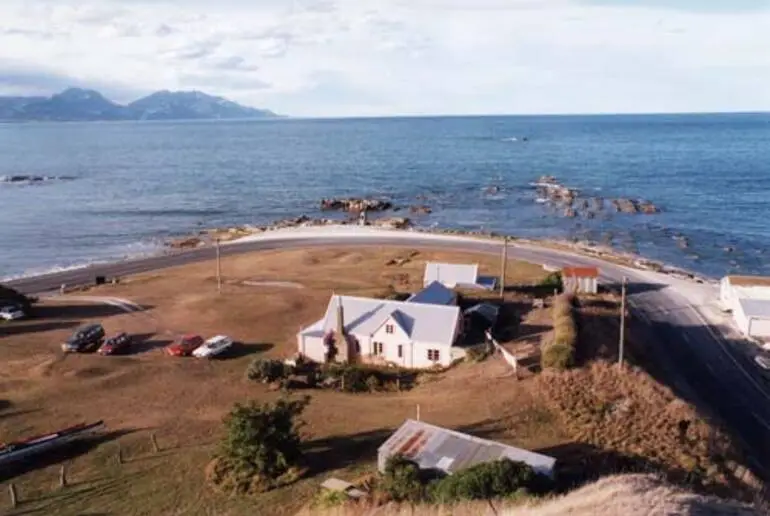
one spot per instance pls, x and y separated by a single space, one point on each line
559 353
626 495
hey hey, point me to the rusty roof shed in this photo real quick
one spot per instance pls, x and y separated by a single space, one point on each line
433 447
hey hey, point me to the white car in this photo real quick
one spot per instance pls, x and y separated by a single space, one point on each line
763 362
11 313
212 347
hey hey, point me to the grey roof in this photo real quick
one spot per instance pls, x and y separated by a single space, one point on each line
433 447
486 310
451 274
363 316
759 308
434 294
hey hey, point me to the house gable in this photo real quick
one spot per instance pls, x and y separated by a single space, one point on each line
396 326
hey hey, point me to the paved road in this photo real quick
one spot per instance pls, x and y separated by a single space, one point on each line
696 360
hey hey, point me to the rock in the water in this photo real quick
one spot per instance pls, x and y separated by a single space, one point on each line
421 210
569 212
356 204
185 243
648 208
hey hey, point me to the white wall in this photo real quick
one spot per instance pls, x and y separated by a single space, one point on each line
390 343
312 347
420 355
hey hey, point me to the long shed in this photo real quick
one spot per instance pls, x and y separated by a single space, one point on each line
434 447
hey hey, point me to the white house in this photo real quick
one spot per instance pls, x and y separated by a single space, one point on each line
748 298
417 333
454 275
434 447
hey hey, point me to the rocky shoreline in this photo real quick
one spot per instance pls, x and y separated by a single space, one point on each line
550 191
208 237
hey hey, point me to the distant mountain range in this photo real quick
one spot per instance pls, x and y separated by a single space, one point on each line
75 104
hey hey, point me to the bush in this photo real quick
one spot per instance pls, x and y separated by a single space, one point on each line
560 353
402 480
261 444
498 479
477 353
267 370
557 356
356 378
553 280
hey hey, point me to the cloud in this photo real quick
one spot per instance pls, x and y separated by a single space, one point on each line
379 57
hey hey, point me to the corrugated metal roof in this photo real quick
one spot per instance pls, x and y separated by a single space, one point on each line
433 447
363 316
581 272
451 274
434 294
759 308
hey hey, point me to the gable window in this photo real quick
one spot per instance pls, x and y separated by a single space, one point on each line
389 328
433 355
378 348
400 351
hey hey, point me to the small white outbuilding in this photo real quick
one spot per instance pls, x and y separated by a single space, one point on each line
748 298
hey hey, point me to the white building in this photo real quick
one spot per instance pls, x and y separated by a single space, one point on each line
433 447
748 298
580 280
417 333
453 275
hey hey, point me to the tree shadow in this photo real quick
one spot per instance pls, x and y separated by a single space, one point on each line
63 453
240 350
87 310
24 327
331 453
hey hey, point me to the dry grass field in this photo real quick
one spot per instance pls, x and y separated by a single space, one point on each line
182 400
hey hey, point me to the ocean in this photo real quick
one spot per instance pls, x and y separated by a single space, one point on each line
118 190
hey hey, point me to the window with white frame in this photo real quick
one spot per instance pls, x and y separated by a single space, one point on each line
433 355
378 348
389 328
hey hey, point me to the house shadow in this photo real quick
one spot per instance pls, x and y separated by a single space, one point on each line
87 310
63 453
26 327
241 349
331 453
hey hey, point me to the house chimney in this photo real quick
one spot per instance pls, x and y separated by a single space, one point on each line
343 351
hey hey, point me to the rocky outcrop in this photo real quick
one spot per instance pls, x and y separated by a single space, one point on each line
186 243
356 205
551 191
421 209
33 179
393 223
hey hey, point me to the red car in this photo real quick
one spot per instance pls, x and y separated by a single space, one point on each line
115 344
185 346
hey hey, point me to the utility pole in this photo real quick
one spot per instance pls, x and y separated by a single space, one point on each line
503 266
622 320
219 269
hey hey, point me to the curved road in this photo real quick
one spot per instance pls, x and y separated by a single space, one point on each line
696 361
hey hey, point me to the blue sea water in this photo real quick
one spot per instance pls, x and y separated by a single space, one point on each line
136 183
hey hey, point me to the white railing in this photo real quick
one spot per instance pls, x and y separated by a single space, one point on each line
507 355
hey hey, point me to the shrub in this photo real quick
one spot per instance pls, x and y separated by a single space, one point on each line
267 370
557 356
498 479
402 480
261 444
553 280
477 353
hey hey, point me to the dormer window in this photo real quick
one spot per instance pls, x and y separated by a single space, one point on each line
389 328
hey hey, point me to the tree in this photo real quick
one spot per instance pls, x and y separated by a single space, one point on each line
402 480
262 443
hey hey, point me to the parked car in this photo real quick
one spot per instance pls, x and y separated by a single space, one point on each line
115 344
11 312
763 362
185 346
85 338
213 347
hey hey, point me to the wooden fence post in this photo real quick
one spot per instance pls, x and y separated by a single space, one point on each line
120 454
12 491
155 446
63 476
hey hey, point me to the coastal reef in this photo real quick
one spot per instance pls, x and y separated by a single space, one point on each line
356 205
550 191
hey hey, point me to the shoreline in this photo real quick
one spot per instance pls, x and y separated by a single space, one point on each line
306 227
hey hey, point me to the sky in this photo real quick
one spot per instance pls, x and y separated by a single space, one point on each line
399 57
